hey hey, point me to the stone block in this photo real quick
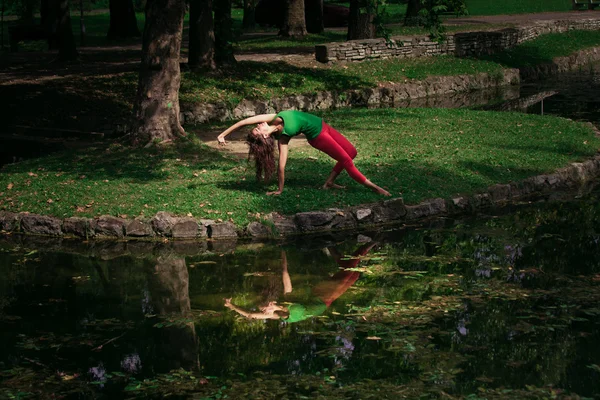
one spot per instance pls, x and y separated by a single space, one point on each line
138 228
222 230
111 226
184 228
257 230
40 225
162 223
499 192
8 221
78 227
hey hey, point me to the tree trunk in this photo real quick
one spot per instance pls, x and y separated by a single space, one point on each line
123 23
47 20
223 33
156 108
411 17
202 35
314 16
28 11
177 344
64 32
249 20
360 23
294 22
2 6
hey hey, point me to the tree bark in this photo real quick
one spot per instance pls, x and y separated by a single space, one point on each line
412 12
123 23
64 32
223 33
314 16
294 22
156 109
28 11
202 35
249 19
360 23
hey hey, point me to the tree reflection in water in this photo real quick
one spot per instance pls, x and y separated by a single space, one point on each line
175 339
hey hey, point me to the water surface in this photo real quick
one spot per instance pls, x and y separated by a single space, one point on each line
496 306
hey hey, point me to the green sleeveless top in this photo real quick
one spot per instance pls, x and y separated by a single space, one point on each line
300 312
297 122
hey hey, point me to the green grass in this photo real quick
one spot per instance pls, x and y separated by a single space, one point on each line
420 153
546 47
253 80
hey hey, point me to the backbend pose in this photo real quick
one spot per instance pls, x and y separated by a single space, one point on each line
323 294
286 125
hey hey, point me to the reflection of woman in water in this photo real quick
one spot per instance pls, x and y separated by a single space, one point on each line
324 293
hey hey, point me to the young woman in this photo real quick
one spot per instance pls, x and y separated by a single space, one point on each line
286 125
322 295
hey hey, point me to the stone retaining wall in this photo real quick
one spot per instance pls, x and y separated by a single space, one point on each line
465 44
561 64
363 217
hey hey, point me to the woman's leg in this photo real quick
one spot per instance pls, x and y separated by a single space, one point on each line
340 149
334 144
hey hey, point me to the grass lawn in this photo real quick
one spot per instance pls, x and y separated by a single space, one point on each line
417 153
545 48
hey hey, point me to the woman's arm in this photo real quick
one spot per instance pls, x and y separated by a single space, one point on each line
283 155
287 282
247 314
257 119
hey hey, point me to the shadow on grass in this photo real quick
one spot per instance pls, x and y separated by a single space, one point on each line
136 165
79 104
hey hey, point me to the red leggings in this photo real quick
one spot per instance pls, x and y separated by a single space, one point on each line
336 146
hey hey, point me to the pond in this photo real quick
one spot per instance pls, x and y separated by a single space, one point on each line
504 305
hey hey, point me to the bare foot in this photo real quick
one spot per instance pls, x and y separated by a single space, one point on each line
333 186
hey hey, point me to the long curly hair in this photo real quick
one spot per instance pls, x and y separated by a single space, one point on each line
262 150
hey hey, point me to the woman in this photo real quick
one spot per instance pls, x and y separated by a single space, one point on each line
323 294
288 124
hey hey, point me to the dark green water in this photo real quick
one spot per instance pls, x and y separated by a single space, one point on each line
494 307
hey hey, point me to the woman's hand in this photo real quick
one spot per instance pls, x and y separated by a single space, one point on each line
275 193
228 303
221 140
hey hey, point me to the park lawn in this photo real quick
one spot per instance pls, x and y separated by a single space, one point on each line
414 153
259 80
545 48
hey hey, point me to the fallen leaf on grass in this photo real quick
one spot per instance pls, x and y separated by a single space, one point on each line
10 186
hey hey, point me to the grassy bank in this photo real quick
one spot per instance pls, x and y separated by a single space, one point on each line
417 153
545 48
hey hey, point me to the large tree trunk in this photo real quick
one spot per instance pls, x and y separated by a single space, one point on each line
314 16
157 103
28 11
223 33
360 24
294 22
64 32
249 20
123 23
202 35
177 344
412 12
